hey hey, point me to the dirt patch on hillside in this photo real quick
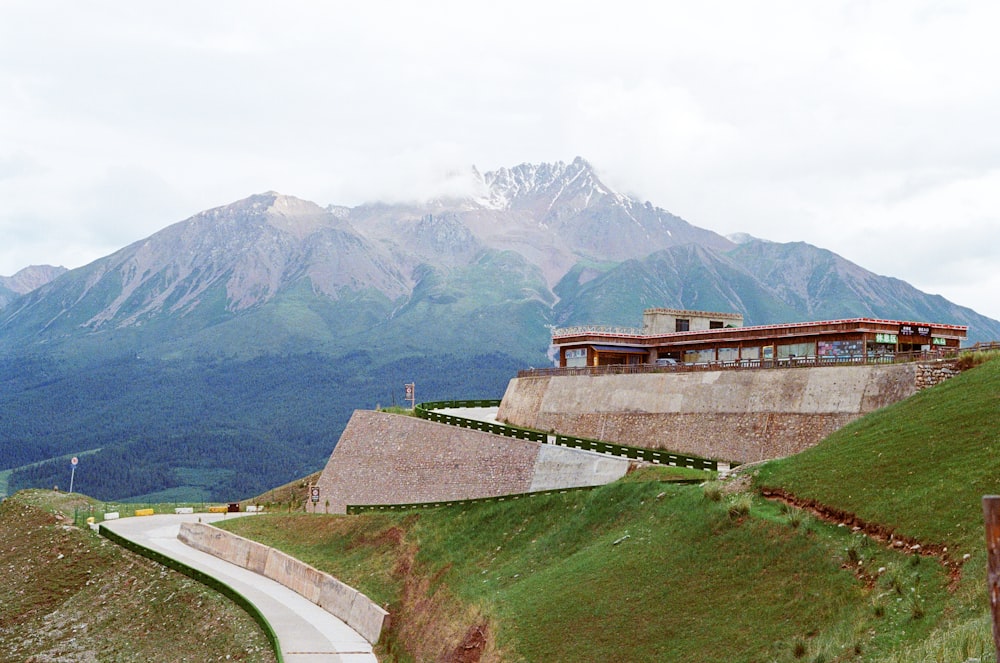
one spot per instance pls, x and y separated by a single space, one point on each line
887 536
473 645
428 622
391 537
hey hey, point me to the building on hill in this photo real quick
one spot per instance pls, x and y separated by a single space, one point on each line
669 320
697 337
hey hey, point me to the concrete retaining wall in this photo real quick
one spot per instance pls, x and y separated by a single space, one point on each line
559 467
733 415
344 602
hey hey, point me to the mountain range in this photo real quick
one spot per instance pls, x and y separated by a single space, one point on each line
453 294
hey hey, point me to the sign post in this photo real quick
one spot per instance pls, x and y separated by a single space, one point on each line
991 514
411 392
72 473
314 496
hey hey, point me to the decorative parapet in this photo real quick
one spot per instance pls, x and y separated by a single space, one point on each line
597 329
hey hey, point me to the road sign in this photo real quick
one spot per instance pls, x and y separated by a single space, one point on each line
72 472
314 494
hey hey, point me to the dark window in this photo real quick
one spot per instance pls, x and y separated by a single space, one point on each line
715 324
682 325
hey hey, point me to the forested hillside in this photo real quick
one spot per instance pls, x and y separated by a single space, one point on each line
211 429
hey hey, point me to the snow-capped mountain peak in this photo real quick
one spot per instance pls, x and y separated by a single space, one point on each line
527 185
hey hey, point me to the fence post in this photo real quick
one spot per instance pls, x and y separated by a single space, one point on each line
991 514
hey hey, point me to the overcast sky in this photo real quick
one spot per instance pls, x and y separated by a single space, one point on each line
867 128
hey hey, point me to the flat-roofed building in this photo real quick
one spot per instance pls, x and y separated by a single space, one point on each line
720 338
669 320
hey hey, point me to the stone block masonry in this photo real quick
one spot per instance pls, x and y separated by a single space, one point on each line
739 416
394 459
933 373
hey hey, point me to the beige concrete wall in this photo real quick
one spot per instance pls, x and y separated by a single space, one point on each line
344 602
561 467
732 415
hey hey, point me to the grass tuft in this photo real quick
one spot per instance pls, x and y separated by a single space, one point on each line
712 491
739 505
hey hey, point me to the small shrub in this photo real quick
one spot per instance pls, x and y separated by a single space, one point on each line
893 582
712 491
795 519
969 360
916 606
739 505
799 649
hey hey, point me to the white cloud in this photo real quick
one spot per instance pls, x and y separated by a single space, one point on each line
866 128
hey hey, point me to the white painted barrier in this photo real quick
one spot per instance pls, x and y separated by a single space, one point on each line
184 509
111 515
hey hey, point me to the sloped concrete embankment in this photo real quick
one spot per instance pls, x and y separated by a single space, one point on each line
342 601
394 459
733 415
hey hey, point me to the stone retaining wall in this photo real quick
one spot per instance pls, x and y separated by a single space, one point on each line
731 415
934 373
395 459
342 601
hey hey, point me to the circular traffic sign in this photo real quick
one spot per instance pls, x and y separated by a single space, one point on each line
74 461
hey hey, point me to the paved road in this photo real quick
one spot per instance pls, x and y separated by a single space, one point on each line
479 413
306 632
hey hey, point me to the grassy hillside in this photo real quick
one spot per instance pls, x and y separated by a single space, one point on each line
920 467
70 595
646 571
634 571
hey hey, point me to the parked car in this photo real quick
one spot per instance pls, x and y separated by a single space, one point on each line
666 361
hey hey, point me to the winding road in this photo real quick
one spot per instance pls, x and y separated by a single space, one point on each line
306 633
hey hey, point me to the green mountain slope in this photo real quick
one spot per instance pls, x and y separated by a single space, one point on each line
817 284
686 277
765 281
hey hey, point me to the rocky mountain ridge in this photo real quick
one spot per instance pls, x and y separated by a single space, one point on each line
549 234
26 280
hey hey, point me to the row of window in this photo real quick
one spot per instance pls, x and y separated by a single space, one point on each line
684 324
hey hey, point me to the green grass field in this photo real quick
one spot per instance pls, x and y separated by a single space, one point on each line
641 570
